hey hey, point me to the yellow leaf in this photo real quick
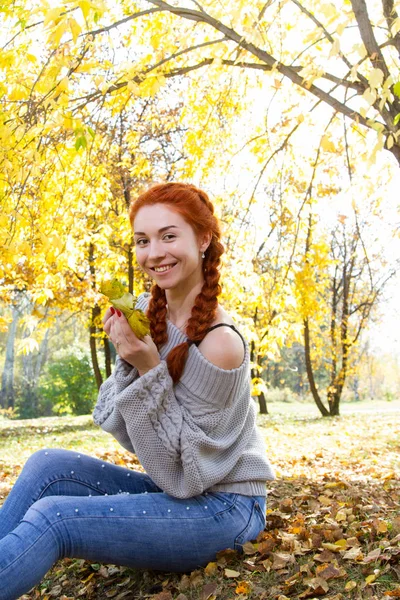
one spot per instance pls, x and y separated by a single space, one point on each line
243 587
371 578
211 569
375 78
395 28
381 527
53 15
63 84
370 96
331 547
75 29
350 585
337 484
327 145
231 573
133 87
353 554
56 35
4 323
84 5
27 346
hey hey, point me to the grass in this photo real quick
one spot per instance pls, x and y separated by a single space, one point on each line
335 501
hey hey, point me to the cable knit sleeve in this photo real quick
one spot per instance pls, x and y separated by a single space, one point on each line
122 376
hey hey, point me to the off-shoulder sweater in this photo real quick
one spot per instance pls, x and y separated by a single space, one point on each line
198 435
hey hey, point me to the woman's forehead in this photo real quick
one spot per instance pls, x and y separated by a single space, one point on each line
155 217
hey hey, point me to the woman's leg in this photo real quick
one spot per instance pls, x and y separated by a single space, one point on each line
148 530
56 472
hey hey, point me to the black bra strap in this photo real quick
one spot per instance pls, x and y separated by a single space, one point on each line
196 343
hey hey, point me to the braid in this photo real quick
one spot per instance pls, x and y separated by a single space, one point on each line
203 311
157 314
204 198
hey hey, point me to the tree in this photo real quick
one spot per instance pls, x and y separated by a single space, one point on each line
344 56
67 387
367 68
7 394
116 95
338 288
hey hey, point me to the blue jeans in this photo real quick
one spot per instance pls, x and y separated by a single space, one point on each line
66 504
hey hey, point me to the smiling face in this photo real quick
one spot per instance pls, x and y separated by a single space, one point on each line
167 248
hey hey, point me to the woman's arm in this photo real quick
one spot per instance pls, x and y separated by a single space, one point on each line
185 454
122 376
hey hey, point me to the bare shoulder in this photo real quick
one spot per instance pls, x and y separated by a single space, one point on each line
223 347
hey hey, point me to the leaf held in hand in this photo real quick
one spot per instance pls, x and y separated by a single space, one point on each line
125 302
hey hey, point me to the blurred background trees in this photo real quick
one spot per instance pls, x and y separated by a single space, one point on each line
287 114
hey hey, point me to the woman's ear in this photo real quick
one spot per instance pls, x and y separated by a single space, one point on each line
205 241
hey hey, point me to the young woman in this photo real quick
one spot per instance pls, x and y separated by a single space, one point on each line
180 399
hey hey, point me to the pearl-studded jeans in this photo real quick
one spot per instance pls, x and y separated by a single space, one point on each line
66 504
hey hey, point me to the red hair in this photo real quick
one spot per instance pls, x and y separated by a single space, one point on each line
197 210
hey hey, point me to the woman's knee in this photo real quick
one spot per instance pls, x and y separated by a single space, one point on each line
46 459
44 514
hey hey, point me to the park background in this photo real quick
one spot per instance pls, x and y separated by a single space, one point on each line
287 113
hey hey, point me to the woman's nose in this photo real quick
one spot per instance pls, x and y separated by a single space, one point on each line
156 250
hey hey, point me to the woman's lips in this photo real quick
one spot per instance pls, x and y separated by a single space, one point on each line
164 269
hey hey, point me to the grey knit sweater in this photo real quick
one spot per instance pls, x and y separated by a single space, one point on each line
197 435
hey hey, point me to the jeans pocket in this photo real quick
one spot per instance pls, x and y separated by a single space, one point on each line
256 523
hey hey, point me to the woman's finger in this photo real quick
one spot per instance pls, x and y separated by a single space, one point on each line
109 313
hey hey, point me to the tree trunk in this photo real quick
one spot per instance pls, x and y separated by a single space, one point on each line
310 374
338 383
107 356
131 270
7 394
93 348
262 402
32 369
93 327
42 356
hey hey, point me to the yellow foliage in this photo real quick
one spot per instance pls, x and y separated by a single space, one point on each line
4 323
125 302
27 346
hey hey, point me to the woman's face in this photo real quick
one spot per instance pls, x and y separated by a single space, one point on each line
167 248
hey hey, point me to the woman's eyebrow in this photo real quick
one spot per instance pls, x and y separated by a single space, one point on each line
159 231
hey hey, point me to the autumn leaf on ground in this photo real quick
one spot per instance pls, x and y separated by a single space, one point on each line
243 587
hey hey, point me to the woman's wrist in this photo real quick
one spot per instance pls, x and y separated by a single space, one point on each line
147 369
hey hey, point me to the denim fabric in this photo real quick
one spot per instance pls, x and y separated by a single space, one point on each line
66 504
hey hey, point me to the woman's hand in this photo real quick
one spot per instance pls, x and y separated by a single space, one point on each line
142 354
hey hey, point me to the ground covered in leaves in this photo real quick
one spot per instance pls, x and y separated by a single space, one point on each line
333 519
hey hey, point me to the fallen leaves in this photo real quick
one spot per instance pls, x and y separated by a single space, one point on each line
333 522
231 573
243 588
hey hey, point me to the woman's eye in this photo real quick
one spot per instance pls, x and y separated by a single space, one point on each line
141 242
169 236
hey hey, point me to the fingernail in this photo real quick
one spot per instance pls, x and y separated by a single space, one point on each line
119 313
112 310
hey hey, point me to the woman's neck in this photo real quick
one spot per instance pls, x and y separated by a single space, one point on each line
180 304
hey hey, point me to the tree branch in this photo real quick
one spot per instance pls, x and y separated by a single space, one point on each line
262 55
121 22
327 34
390 16
367 35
